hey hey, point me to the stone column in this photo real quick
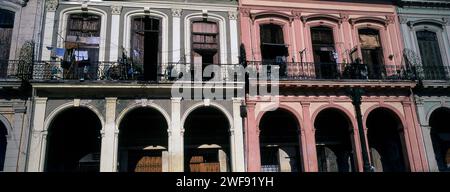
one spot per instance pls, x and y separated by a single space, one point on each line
176 142
19 112
115 31
253 148
413 138
237 146
176 35
108 157
426 129
49 26
309 154
234 36
246 32
38 136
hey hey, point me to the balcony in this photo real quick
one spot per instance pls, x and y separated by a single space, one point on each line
335 71
15 69
434 72
116 71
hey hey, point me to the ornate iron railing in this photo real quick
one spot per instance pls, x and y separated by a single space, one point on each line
433 72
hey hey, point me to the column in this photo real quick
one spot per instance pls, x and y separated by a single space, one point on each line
245 33
253 149
428 143
19 112
234 38
115 31
309 154
237 146
416 161
176 142
38 136
49 25
108 156
447 38
176 35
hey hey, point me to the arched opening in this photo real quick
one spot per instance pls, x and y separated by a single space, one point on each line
324 52
207 141
6 29
74 141
146 42
143 141
440 136
430 54
280 142
383 132
333 141
372 52
3 143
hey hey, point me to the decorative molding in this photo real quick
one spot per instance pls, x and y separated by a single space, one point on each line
390 19
233 15
344 17
51 5
245 12
177 12
116 9
403 19
296 14
446 20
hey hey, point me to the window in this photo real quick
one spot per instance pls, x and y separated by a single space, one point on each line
145 47
273 47
324 52
82 44
205 45
6 28
430 54
372 52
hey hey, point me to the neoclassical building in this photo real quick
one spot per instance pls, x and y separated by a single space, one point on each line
112 91
425 27
19 36
328 55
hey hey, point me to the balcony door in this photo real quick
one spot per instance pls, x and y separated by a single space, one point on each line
273 48
145 47
430 53
324 52
6 28
372 52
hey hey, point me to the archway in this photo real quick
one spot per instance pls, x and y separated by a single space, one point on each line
333 141
207 141
74 141
279 142
3 143
440 136
383 133
143 141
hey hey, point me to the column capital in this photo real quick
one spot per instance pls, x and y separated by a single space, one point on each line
245 11
51 5
40 100
176 12
305 103
176 99
344 17
116 9
297 14
403 19
233 15
111 99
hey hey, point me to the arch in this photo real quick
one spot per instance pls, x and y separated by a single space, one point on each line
434 108
128 16
359 20
336 143
212 104
400 117
221 22
6 123
3 144
437 23
280 106
439 137
264 14
321 17
63 18
63 149
138 105
387 140
63 107
347 113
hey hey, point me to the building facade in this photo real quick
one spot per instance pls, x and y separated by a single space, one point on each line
20 22
426 31
329 54
112 91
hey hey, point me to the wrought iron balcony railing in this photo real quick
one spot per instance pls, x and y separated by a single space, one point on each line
16 69
115 71
433 72
322 71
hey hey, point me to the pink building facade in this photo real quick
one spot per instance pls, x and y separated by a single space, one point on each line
322 50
